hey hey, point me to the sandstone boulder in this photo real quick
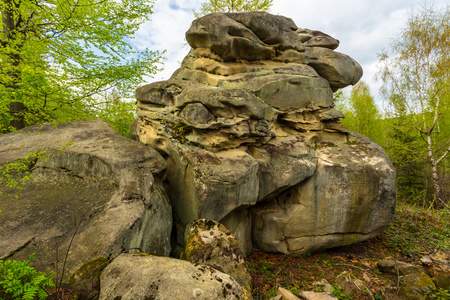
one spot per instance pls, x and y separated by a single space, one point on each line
99 190
348 199
135 276
252 139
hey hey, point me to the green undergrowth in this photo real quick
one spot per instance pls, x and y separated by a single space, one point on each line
415 231
20 281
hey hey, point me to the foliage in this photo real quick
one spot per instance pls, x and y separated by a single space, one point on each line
23 165
20 281
116 111
341 294
233 6
56 56
416 80
361 113
438 294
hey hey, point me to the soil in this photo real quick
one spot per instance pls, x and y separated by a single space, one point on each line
270 271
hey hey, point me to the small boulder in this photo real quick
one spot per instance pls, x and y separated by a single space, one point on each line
415 285
136 276
390 266
285 294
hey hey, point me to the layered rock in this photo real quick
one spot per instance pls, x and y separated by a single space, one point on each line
91 185
252 138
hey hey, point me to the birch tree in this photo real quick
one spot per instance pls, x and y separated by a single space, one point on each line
415 70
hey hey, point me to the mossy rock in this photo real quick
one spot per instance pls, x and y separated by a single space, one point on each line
442 280
87 278
415 285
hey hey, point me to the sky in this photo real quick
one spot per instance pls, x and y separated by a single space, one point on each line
363 27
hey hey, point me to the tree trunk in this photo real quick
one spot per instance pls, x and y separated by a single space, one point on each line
17 109
434 173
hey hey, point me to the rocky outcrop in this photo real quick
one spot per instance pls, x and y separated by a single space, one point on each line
99 190
134 276
252 138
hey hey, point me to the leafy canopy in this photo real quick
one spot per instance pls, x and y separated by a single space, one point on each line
56 56
361 112
211 6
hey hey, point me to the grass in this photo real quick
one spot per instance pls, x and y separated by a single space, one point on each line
412 233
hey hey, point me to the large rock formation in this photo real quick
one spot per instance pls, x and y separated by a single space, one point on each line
252 138
99 191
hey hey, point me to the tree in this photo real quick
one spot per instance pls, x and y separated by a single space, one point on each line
56 56
233 6
117 112
361 112
415 70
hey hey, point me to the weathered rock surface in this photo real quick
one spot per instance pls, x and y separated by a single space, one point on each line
100 190
348 199
415 286
134 276
418 280
393 267
210 243
250 132
437 265
284 294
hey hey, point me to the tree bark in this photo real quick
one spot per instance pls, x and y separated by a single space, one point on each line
17 109
435 174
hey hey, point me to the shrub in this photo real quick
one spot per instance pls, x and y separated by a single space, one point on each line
20 281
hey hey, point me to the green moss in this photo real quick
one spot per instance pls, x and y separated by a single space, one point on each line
91 269
442 281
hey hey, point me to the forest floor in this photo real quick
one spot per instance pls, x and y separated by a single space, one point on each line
413 233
